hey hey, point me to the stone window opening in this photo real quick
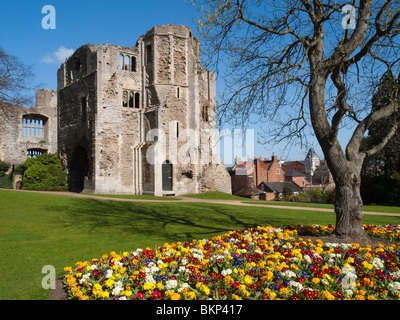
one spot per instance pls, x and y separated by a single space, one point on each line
33 126
125 99
133 64
137 100
77 69
33 153
131 99
205 112
83 109
127 63
177 93
149 57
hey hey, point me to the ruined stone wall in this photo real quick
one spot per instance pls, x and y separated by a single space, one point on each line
169 89
15 142
77 103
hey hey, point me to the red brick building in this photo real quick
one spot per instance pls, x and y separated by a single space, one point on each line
247 176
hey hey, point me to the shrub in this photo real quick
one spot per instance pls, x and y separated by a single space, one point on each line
381 190
44 173
4 166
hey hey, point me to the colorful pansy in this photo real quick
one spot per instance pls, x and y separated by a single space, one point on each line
254 263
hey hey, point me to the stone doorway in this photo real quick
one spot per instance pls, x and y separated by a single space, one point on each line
167 176
78 169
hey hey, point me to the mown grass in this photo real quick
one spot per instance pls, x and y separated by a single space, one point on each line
371 208
215 195
132 196
40 229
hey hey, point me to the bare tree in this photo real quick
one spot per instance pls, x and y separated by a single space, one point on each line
16 81
301 62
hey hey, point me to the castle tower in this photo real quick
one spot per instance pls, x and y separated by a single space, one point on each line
140 120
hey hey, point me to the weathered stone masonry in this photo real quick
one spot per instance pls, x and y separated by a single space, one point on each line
113 99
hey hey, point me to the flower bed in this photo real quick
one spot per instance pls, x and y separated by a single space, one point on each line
254 263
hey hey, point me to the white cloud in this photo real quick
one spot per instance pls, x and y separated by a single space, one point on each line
58 56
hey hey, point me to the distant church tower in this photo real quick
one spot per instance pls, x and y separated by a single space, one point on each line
124 115
312 161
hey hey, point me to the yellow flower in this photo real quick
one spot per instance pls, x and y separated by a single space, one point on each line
68 269
248 280
175 296
128 293
328 295
109 283
316 280
159 286
105 294
97 290
228 280
272 295
284 290
149 286
236 297
206 290
191 295
79 294
269 275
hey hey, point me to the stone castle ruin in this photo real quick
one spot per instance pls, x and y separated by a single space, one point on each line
130 120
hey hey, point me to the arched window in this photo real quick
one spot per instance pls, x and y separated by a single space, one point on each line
126 62
32 153
131 98
137 100
121 62
125 99
133 64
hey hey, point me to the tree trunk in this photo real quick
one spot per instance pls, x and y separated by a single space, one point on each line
348 207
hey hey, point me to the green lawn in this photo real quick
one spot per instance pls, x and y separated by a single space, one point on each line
386 209
39 229
133 196
216 195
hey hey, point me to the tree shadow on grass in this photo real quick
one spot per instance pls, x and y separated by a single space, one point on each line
165 220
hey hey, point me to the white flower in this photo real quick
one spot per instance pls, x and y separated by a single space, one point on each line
183 287
109 273
394 287
289 274
85 277
117 289
348 269
184 261
307 258
171 284
226 272
377 263
294 284
396 274
149 278
347 293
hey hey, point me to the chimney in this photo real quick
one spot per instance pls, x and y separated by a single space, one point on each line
274 157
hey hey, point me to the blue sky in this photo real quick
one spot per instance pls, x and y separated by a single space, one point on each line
88 21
